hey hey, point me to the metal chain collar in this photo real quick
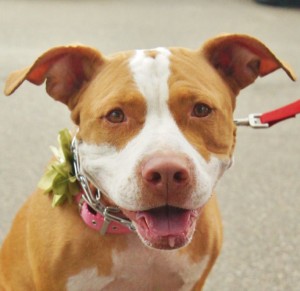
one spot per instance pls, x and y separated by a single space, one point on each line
94 201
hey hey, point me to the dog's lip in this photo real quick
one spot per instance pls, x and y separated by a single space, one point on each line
165 227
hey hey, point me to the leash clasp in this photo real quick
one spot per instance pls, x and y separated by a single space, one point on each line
253 120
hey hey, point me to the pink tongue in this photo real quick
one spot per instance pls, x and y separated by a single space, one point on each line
166 220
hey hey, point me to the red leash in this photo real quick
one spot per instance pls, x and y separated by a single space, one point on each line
281 114
270 118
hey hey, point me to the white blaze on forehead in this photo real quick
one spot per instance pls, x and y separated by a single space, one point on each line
151 76
115 171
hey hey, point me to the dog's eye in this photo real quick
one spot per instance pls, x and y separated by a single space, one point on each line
201 110
116 116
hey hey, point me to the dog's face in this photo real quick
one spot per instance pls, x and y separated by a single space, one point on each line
156 129
156 137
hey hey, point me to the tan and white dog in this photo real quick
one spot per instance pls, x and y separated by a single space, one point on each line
155 134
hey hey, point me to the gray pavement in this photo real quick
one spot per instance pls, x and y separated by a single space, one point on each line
259 196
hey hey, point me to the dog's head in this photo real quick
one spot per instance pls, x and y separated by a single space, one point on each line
156 128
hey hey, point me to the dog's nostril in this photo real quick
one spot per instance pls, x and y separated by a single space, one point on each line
155 177
180 176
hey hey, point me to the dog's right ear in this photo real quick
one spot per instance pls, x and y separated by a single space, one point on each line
66 69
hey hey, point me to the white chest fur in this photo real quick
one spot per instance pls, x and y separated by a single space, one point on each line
142 268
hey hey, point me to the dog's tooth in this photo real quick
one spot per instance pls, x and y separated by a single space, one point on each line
171 241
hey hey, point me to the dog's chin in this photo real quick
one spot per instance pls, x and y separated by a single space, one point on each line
165 227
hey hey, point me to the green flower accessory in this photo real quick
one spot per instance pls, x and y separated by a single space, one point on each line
59 179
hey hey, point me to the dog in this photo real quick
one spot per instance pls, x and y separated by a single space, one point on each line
155 134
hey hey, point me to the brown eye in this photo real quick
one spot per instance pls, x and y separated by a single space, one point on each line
116 116
201 110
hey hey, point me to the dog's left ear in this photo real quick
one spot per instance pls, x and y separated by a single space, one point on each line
66 69
240 59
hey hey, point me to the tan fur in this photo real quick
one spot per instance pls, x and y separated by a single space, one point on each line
210 89
111 95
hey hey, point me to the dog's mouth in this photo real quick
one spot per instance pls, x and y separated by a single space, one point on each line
165 227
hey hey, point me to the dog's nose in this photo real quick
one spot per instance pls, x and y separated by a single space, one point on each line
166 172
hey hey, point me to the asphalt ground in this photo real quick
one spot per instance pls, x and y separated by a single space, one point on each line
259 197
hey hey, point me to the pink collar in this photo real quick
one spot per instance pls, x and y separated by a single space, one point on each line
96 220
